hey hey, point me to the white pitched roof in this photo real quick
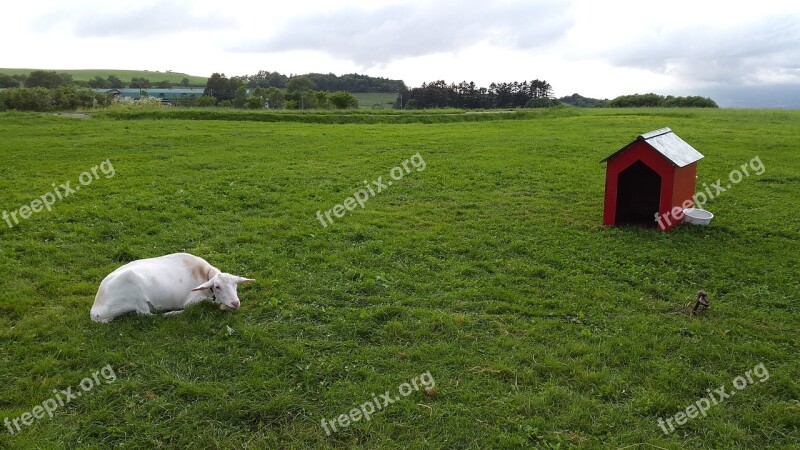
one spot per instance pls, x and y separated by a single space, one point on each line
672 147
664 141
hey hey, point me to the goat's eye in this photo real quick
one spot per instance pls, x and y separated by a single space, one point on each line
216 287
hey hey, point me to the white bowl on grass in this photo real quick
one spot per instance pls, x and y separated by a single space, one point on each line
697 216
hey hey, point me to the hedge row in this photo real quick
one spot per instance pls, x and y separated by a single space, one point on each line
316 116
64 98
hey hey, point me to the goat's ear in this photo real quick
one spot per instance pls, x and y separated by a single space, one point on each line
244 280
205 285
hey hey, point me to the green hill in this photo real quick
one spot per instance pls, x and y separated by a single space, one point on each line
124 75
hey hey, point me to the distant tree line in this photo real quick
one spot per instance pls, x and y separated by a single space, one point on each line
11 81
274 90
61 98
655 100
353 82
583 102
38 78
47 90
327 82
640 101
298 92
51 79
439 94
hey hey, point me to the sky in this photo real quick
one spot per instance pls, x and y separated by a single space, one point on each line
738 53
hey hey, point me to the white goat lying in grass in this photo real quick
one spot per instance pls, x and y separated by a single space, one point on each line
166 284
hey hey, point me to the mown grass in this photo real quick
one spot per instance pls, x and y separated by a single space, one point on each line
490 269
353 116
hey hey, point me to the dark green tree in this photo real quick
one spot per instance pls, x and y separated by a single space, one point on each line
265 79
343 100
240 98
221 87
321 100
300 89
6 81
67 78
255 102
299 84
275 98
99 82
45 78
583 102
140 83
115 83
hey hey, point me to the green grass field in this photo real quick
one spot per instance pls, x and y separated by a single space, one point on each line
489 270
124 75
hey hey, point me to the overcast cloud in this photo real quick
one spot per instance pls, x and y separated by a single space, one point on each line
596 48
758 50
374 37
135 20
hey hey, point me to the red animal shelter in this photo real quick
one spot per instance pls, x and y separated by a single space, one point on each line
648 178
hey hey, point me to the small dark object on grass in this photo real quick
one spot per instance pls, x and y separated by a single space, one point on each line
702 303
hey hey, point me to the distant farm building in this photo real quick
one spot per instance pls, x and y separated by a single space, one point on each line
648 178
167 96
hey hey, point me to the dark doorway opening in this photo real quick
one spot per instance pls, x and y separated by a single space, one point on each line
638 195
